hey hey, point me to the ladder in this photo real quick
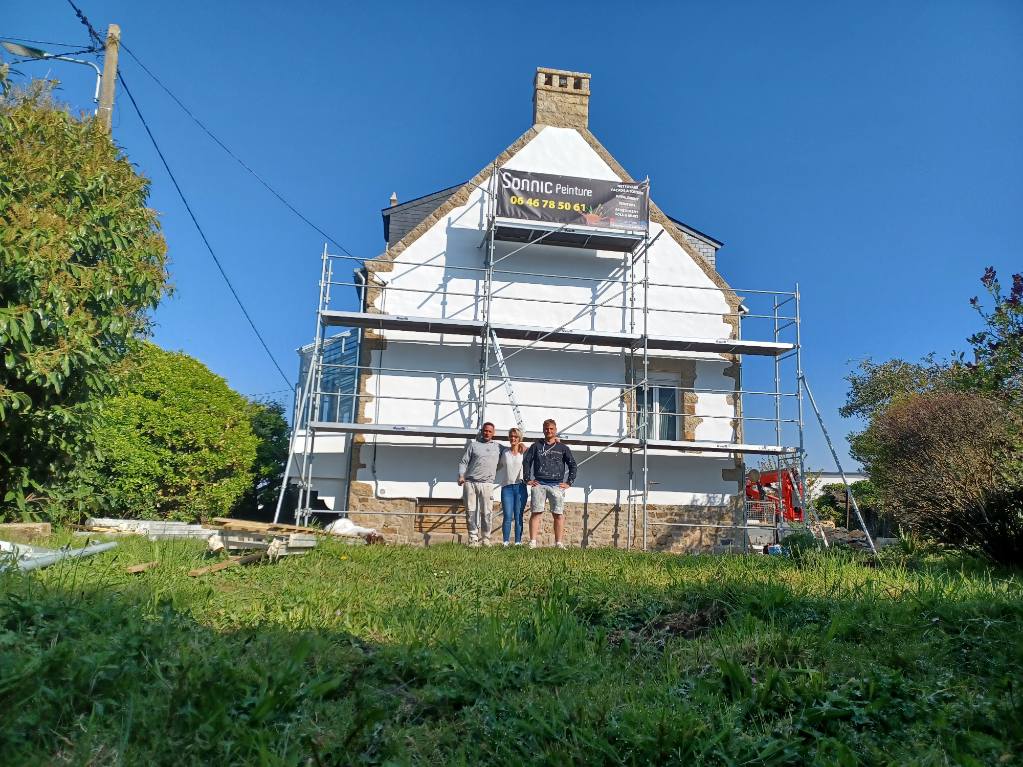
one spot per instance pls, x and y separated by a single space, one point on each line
503 366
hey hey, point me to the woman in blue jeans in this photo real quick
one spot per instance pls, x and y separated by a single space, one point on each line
513 489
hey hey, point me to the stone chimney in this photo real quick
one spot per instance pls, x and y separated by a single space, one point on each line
561 99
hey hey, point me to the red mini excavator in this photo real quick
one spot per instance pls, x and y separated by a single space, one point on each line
769 501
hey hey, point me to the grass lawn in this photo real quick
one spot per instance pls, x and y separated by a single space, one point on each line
371 655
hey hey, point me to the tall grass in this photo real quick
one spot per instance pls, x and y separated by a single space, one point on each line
373 655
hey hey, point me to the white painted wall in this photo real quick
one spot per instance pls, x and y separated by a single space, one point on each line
329 465
435 276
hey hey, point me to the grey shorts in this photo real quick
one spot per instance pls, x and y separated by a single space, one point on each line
538 494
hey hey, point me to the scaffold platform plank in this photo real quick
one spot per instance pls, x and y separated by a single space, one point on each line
589 440
607 338
545 233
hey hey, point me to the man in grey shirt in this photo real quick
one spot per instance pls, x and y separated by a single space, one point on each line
476 473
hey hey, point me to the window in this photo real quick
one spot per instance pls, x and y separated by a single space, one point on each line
662 416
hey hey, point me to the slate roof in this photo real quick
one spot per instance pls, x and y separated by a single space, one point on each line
402 218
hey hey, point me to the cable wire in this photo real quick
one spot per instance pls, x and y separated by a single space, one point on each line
44 42
202 234
95 36
232 155
54 56
88 25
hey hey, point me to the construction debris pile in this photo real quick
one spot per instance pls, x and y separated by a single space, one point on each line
230 534
854 539
27 558
242 540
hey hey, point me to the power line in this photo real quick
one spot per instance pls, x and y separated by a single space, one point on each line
233 156
88 25
267 393
45 42
202 234
95 36
53 56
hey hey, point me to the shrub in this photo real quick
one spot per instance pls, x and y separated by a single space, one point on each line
175 442
272 434
948 466
81 263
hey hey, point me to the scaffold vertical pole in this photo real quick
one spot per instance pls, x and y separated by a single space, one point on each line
646 370
634 415
488 279
305 485
316 399
838 465
627 364
303 398
799 406
779 510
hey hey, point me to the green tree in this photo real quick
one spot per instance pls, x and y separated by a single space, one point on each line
272 434
948 465
174 442
81 263
996 369
831 504
998 348
943 441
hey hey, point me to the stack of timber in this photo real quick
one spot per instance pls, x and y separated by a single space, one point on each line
275 545
154 529
357 536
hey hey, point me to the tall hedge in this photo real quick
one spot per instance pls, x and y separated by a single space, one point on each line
81 263
174 442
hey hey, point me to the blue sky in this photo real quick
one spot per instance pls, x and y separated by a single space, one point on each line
869 151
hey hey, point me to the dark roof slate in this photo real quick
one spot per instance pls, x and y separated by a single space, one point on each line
401 219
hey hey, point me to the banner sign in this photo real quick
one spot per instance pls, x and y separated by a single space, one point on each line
570 200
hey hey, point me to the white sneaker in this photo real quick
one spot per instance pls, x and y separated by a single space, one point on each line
518 543
506 544
486 542
533 544
560 545
474 544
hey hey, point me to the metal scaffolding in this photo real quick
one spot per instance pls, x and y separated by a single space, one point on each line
633 283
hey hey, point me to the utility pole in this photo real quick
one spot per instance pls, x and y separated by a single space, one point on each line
106 95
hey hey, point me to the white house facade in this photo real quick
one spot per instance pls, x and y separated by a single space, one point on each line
631 344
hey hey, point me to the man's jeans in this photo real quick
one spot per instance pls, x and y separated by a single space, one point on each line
513 502
538 494
479 508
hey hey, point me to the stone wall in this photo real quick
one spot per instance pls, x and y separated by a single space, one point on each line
586 524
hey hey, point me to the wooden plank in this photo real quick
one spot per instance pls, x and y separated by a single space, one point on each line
247 559
135 569
263 527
